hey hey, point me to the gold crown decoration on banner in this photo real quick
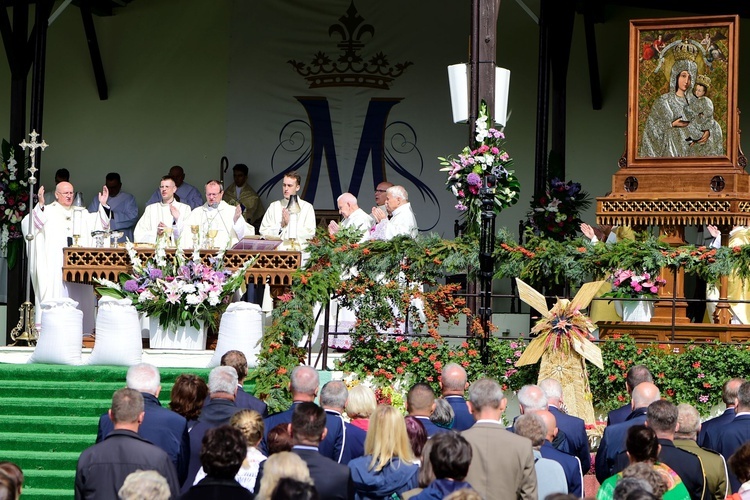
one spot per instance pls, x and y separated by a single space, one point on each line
350 68
685 50
564 327
703 80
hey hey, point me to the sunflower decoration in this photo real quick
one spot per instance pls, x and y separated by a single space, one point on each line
563 343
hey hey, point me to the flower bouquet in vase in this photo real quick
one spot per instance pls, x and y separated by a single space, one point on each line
478 168
627 284
180 296
556 213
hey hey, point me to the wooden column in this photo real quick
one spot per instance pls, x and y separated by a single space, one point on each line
482 60
675 287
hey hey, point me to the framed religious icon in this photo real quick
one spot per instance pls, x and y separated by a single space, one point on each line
682 98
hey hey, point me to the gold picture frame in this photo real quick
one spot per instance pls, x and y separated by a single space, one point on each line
670 124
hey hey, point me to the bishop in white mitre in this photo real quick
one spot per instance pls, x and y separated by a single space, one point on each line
53 227
165 218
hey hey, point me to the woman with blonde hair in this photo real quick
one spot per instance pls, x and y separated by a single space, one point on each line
388 466
280 465
360 404
250 423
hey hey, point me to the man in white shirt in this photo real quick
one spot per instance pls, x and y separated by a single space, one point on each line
166 216
276 221
186 193
401 218
53 227
124 208
352 216
216 216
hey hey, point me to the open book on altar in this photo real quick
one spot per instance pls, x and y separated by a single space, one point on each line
258 243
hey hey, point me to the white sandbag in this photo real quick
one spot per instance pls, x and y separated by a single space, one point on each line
241 329
61 336
118 334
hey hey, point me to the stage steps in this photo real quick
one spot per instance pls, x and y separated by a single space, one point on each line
49 414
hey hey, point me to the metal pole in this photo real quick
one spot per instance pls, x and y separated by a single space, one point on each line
486 264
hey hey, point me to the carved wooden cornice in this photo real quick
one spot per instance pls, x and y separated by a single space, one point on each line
82 265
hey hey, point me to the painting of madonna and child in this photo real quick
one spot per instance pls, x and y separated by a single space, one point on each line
683 88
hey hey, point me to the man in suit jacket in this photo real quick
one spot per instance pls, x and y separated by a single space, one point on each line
662 418
570 463
308 428
420 404
636 375
711 429
689 423
162 427
220 408
736 432
103 467
613 439
304 383
502 464
531 398
238 361
453 385
333 398
573 427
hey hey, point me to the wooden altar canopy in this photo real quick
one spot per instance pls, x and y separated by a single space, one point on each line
681 167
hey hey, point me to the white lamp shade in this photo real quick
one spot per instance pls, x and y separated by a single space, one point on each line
458 79
502 89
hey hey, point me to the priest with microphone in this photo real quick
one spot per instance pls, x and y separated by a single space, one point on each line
288 220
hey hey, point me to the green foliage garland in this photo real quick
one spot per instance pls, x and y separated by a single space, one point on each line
387 276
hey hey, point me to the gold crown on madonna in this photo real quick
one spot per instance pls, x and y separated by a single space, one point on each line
703 80
685 50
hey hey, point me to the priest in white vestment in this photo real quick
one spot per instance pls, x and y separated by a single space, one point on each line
164 218
276 221
400 218
342 320
53 227
352 216
216 216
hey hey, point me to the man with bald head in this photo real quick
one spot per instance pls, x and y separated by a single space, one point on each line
400 220
420 404
53 228
613 440
453 384
351 216
574 428
304 384
570 464
636 374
